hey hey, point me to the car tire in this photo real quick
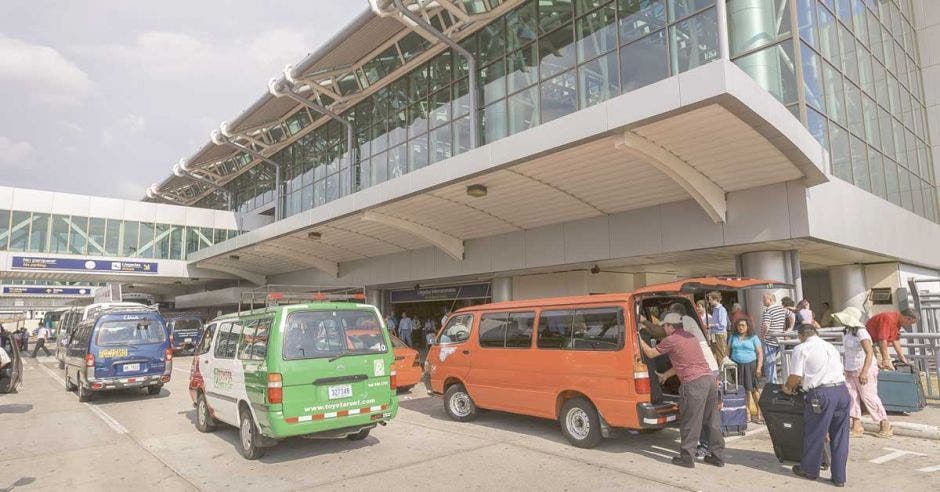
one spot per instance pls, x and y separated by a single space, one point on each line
248 437
84 394
362 434
154 390
458 404
204 420
580 423
61 364
69 385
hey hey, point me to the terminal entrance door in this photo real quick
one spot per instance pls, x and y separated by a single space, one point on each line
430 304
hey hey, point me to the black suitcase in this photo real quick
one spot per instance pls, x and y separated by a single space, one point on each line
783 415
733 403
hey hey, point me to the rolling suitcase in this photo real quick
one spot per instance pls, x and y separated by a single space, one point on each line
783 415
733 403
900 390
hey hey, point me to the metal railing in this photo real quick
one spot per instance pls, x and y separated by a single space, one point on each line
921 349
273 295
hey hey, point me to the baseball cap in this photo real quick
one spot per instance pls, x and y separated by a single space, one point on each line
672 319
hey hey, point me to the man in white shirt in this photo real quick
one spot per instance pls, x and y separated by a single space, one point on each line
817 366
405 327
41 337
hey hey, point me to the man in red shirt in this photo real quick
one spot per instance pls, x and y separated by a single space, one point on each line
885 328
698 395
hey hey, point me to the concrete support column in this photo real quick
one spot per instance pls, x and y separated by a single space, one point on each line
848 287
768 265
375 297
502 289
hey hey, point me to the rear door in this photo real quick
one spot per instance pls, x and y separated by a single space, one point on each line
128 346
335 361
216 367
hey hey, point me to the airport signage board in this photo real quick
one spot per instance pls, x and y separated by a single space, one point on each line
82 264
441 293
46 291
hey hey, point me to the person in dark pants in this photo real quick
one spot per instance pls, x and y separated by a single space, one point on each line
41 337
817 366
698 394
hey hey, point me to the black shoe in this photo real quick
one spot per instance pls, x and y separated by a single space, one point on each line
800 473
712 460
682 462
838 484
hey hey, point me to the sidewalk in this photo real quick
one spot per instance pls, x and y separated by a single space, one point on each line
924 424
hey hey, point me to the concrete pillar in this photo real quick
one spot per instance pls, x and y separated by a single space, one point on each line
848 287
375 297
502 289
767 265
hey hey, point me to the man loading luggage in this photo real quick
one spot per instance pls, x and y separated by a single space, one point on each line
885 328
698 393
817 366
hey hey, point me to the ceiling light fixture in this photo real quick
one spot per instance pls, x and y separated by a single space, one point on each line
476 191
314 235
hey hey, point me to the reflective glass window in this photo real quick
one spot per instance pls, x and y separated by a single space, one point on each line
559 96
4 229
681 8
523 110
643 62
78 238
839 152
876 171
599 80
756 24
39 233
96 236
812 78
557 51
59 239
773 69
694 41
146 240
860 169
640 17
597 33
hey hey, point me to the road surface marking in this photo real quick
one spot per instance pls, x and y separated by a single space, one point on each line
756 431
673 451
893 455
661 455
184 371
930 469
113 424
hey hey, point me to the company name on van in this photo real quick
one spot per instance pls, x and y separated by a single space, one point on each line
222 378
335 406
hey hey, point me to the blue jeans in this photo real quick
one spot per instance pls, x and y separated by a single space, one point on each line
406 337
771 360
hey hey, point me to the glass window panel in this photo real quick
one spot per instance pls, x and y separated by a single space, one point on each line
894 95
756 24
4 229
860 171
523 110
39 233
694 41
877 172
412 45
917 194
904 188
59 239
519 330
306 197
440 71
146 240
554 331
643 62
853 106
839 152
332 187
495 121
887 133
559 96
492 330
599 80
493 79
640 17
828 35
681 8
817 126
557 52
844 11
597 33
492 39
462 135
521 26
870 109
874 37
523 68
441 144
858 21
773 69
398 160
849 57
554 13
397 134
78 234
806 16
418 152
899 154
19 230
319 193
812 78
192 240
378 168
461 99
866 75
891 182
161 240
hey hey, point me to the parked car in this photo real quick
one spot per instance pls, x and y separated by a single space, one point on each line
407 365
572 359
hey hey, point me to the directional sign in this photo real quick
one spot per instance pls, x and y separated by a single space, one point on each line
82 264
47 291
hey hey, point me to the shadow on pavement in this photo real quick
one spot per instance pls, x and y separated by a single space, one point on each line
22 482
16 408
126 395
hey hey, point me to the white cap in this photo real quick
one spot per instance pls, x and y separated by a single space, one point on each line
672 319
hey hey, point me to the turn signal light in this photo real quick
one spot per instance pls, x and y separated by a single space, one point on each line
275 388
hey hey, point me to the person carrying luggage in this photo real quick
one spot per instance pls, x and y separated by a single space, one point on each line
885 328
861 373
817 366
747 353
698 393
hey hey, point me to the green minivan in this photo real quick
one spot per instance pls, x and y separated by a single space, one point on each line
318 369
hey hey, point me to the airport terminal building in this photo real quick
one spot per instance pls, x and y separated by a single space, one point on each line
452 152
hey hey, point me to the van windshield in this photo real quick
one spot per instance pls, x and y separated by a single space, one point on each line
130 332
314 334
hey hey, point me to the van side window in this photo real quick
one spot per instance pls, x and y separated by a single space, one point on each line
506 330
555 329
225 346
259 345
582 329
247 339
206 341
457 329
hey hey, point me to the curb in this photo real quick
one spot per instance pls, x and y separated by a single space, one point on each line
908 429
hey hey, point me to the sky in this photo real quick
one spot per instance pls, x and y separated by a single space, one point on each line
102 97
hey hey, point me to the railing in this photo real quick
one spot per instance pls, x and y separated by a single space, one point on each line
921 349
272 295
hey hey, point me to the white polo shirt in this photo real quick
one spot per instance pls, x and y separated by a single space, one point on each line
817 362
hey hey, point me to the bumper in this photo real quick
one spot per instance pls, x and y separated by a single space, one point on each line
124 383
656 415
333 424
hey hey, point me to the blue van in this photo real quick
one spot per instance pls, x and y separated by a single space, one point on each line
185 331
118 348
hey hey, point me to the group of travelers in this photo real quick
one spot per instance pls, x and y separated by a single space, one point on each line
415 332
834 385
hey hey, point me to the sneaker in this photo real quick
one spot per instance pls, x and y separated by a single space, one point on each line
702 451
714 461
682 462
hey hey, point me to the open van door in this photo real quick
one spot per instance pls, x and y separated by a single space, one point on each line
704 284
12 373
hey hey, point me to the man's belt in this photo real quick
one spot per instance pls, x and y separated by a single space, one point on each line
830 385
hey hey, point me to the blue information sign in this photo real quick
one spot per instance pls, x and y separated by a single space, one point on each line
48 291
82 264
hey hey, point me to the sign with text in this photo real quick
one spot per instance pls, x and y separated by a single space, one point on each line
81 264
443 293
47 291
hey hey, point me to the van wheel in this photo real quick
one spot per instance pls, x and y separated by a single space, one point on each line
204 420
69 385
580 423
248 438
61 364
459 405
154 390
84 394
362 434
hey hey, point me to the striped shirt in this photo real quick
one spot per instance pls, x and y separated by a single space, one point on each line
775 318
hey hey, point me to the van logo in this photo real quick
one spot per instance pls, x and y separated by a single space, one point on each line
379 366
222 378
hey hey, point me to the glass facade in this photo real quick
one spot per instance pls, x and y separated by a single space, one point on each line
538 62
850 70
34 232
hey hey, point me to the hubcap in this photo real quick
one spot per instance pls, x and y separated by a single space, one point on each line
246 434
577 423
460 404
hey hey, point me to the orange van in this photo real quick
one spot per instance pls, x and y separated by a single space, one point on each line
573 359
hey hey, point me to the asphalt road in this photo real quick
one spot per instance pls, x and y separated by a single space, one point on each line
48 440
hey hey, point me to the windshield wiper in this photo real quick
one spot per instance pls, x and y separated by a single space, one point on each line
344 354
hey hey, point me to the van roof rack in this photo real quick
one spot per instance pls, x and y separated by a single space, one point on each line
274 295
95 311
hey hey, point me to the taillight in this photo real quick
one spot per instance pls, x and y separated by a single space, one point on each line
169 354
417 362
275 388
89 360
393 380
641 379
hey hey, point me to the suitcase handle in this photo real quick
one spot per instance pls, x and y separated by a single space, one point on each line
783 401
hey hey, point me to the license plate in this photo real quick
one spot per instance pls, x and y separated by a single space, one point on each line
131 367
341 391
188 340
